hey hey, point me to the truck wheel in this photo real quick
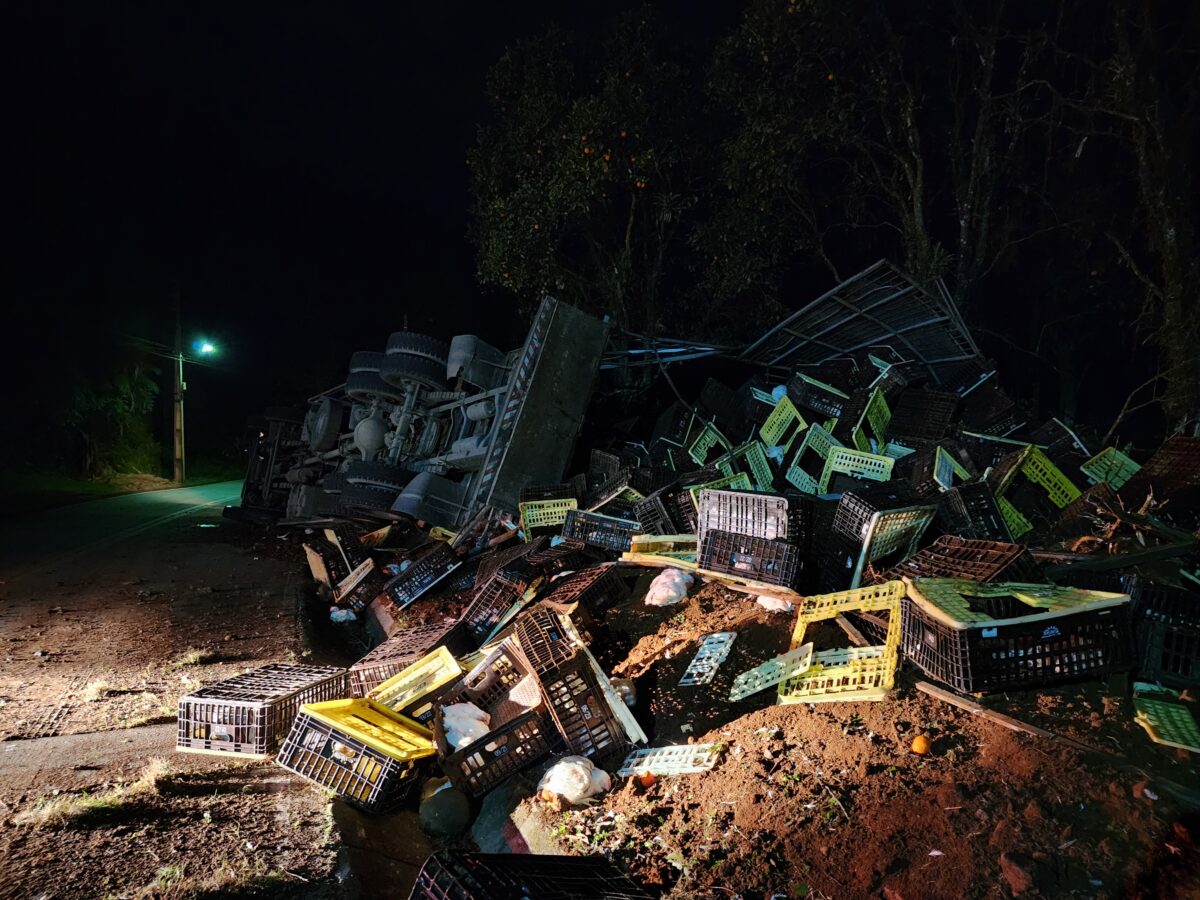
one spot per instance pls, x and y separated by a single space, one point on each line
401 367
377 474
326 424
363 386
366 496
365 361
410 343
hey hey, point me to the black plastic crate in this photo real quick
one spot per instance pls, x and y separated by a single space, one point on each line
575 488
595 589
955 557
1016 654
988 409
458 875
1082 515
655 513
1169 653
566 554
422 575
971 511
488 607
580 709
815 398
773 562
520 734
372 583
337 760
857 507
922 417
400 651
543 640
348 542
597 530
250 714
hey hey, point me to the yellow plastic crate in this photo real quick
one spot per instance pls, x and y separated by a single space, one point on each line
1038 468
850 673
660 561
545 513
409 692
665 544
376 726
783 419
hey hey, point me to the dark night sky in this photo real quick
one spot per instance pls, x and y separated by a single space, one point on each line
298 168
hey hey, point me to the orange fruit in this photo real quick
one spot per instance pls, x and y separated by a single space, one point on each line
920 744
646 779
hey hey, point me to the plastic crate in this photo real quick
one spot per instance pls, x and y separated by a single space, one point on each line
545 513
816 445
598 530
858 508
422 575
577 703
850 673
987 450
1174 468
250 714
989 637
1111 467
954 557
1016 523
808 393
616 488
739 481
856 464
413 691
545 640
741 512
754 457
397 653
604 464
922 416
358 750
971 511
1079 517
709 437
784 421
674 759
573 489
489 606
372 583
521 732
457 875
1169 653
657 512
1038 468
551 558
758 559
595 589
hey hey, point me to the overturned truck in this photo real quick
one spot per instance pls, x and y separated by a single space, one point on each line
430 430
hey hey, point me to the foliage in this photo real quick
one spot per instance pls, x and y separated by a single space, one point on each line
590 176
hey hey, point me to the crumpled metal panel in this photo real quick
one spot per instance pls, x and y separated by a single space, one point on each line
879 307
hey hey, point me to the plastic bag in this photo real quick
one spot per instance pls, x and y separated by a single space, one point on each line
575 779
774 604
670 587
465 723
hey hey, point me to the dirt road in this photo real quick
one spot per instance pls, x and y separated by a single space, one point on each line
109 612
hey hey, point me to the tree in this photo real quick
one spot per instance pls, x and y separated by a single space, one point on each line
590 175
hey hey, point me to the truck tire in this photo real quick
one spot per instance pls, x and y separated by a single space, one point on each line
303 501
365 361
363 386
366 496
332 483
377 474
325 426
412 344
401 367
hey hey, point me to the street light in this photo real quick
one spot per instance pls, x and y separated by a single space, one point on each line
204 348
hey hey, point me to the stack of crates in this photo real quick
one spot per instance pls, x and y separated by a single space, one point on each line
458 875
751 558
248 715
358 750
521 731
749 535
999 636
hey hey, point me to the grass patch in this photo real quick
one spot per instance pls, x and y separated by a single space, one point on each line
193 657
66 809
217 878
96 690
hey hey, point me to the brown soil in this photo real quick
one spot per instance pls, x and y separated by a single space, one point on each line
829 800
95 649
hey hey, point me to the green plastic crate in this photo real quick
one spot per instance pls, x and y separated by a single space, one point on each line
709 437
1038 468
739 481
783 419
817 442
1017 524
755 458
1111 466
857 464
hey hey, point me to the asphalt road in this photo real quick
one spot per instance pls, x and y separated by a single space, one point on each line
86 527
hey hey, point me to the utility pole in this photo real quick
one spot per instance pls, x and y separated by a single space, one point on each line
180 386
